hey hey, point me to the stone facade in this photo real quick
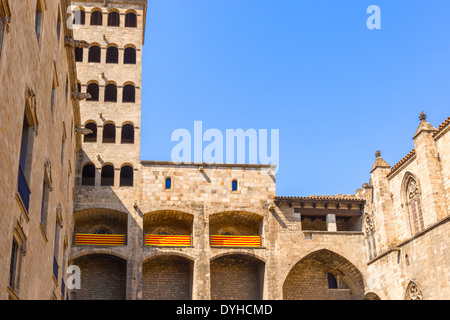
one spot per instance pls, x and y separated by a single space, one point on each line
38 144
387 241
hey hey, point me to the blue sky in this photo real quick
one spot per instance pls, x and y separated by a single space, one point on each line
336 90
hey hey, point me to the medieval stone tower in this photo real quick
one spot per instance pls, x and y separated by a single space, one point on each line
109 70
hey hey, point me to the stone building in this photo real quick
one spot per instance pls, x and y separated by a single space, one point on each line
152 230
39 139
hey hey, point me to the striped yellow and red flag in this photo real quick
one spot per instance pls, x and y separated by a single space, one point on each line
167 240
100 239
235 241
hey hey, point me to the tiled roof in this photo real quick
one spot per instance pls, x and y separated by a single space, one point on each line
321 198
441 127
401 162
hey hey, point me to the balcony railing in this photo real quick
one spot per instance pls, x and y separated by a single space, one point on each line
167 240
100 239
55 268
23 189
235 241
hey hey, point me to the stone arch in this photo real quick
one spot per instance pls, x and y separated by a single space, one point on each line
413 291
91 219
411 196
237 276
371 296
173 221
242 223
103 277
307 279
167 277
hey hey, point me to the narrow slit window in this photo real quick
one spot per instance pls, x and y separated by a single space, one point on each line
168 183
234 185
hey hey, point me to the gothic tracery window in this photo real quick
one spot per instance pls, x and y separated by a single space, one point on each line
415 205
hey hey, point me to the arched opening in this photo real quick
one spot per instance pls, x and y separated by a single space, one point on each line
109 133
129 56
78 54
107 177
371 296
167 221
111 93
93 90
167 277
235 229
94 54
91 137
79 17
128 93
412 195
113 19
323 275
126 176
103 277
237 277
88 175
127 135
96 18
112 55
130 20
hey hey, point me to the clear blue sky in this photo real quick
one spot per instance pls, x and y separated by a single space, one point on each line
336 90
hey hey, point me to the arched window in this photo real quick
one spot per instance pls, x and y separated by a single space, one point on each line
126 176
128 93
79 17
94 54
234 185
109 133
112 55
96 18
332 282
127 134
111 93
91 137
113 19
88 175
130 20
92 89
107 175
79 54
414 204
168 183
129 56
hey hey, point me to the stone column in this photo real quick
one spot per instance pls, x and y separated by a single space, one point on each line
331 222
202 275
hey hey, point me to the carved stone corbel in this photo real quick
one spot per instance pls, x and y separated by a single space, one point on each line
72 43
80 96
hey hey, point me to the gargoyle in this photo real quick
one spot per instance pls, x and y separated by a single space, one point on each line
70 42
80 96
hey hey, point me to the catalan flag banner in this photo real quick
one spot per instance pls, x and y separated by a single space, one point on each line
167 240
100 239
236 241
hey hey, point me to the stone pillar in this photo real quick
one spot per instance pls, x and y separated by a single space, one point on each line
331 223
429 173
202 274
